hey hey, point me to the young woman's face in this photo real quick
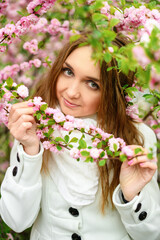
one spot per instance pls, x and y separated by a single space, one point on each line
78 86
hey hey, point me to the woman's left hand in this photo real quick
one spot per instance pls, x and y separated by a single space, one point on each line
136 173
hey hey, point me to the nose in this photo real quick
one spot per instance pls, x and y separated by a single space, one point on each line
73 90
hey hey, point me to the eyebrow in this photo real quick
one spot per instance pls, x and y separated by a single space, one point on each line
91 78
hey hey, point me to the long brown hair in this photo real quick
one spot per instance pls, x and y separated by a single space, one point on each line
112 116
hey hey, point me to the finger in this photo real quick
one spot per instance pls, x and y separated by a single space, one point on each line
18 112
150 165
15 126
137 160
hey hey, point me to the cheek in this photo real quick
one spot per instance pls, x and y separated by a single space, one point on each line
93 102
59 86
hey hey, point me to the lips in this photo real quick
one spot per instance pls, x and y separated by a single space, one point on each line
69 104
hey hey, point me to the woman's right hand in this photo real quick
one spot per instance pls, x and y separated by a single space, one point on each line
22 126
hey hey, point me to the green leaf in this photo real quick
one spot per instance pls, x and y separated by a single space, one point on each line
97 17
74 38
37 8
66 138
59 148
150 155
74 140
59 139
38 116
116 154
123 2
43 107
84 153
137 150
41 44
14 94
82 144
102 154
4 44
114 22
9 82
107 57
70 145
115 147
102 162
20 13
89 159
51 122
99 145
109 153
51 130
123 157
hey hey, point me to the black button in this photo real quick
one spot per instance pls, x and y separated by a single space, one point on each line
75 236
14 172
139 205
142 216
74 212
18 159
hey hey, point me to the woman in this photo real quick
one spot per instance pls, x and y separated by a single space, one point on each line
76 200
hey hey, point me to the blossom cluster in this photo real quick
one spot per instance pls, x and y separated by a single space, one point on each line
39 7
12 70
132 18
104 145
10 31
3 6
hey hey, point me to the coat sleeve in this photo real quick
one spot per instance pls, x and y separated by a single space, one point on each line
21 189
141 216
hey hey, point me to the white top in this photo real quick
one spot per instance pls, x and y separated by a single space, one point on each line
30 197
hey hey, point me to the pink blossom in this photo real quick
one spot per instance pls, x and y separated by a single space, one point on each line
39 133
7 95
141 56
70 118
55 150
37 101
46 144
128 151
95 142
105 135
75 153
121 142
23 91
155 79
133 112
79 123
94 153
68 126
2 48
25 66
100 131
37 63
112 142
9 29
49 111
10 237
25 80
59 117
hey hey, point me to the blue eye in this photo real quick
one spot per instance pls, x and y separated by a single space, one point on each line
93 85
67 71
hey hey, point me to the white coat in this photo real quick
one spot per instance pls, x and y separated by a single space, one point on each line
30 197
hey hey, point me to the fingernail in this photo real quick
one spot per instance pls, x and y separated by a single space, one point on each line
130 162
141 164
30 104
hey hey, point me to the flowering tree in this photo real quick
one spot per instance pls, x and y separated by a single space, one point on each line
31 34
